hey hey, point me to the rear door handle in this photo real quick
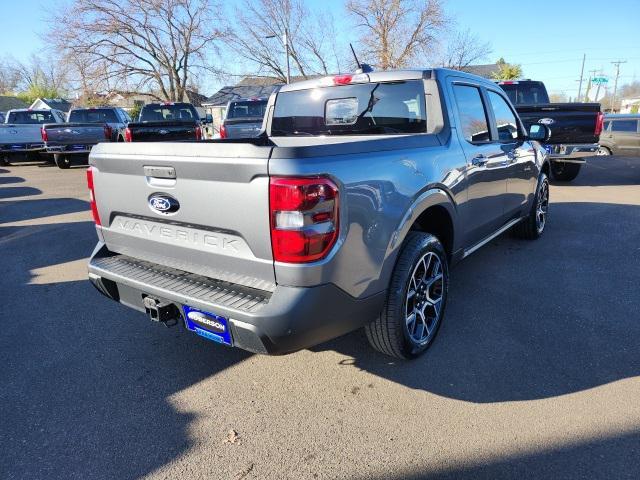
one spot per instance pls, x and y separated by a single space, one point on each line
479 160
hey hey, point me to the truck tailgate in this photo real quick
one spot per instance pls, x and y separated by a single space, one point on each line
570 123
75 133
221 226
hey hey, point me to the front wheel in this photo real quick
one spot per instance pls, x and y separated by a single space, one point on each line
603 151
62 161
564 172
416 299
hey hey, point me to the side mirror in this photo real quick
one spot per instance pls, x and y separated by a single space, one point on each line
208 118
539 132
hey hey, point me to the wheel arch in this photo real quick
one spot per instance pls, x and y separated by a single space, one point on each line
435 212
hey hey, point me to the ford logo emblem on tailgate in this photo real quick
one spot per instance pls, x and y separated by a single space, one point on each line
163 203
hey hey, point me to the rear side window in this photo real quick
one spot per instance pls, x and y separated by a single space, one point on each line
93 115
39 117
155 113
248 109
358 109
473 118
624 126
506 122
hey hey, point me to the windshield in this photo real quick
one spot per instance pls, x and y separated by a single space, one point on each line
93 115
246 109
33 117
526 93
177 111
358 109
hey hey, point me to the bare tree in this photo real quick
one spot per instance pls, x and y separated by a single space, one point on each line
9 77
258 29
140 44
465 48
395 32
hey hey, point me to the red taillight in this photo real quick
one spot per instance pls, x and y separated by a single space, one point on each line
127 135
108 131
599 123
342 79
92 197
44 135
223 131
198 132
304 218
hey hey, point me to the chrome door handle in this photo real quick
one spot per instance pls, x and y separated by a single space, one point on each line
479 160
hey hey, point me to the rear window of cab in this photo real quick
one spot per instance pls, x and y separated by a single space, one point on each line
357 109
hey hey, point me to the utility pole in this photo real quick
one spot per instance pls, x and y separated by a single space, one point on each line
285 40
285 44
584 57
615 84
586 95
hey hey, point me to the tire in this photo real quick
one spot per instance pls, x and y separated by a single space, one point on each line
564 172
603 151
533 225
62 161
4 160
393 333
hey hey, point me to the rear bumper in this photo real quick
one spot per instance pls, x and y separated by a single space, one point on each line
278 322
21 148
67 150
573 153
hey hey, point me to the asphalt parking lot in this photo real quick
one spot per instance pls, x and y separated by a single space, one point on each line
535 374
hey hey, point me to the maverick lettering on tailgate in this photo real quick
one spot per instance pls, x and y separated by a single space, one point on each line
185 235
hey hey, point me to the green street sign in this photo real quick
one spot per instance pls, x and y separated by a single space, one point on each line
599 80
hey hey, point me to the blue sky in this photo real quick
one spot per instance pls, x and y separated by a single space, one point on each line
548 38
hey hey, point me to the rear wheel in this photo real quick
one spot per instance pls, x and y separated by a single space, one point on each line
416 300
4 160
565 172
603 151
62 161
533 225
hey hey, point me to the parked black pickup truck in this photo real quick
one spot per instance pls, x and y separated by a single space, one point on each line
165 122
575 127
85 128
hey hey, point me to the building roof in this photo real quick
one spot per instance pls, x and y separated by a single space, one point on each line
228 93
53 103
482 70
194 98
10 103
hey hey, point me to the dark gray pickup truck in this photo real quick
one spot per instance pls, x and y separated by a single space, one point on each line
347 212
576 126
84 128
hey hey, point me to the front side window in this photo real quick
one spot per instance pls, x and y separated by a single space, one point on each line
624 126
356 109
506 122
473 118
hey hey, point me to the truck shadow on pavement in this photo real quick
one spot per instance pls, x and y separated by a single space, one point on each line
608 171
8 180
532 320
86 383
580 460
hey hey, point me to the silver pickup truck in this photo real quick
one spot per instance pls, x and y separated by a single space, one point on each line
347 212
21 135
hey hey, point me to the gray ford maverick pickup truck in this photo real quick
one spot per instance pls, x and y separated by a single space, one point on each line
347 211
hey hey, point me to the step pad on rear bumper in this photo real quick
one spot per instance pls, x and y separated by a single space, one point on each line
134 272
